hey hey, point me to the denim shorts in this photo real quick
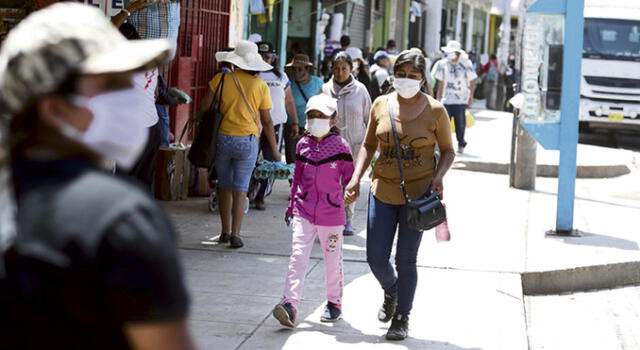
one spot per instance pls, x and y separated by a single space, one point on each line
235 159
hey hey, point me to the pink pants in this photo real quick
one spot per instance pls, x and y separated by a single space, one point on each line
304 234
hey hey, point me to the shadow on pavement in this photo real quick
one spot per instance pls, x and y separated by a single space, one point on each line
598 240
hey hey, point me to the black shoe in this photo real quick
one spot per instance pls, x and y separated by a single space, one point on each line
235 242
285 314
223 238
259 204
332 313
388 307
399 329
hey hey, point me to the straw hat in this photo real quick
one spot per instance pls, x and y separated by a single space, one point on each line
300 60
244 56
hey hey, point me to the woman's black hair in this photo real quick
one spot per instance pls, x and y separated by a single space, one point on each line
276 70
344 57
413 58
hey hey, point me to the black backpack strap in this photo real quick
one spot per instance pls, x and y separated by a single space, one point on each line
306 99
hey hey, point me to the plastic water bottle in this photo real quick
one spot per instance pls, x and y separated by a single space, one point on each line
442 232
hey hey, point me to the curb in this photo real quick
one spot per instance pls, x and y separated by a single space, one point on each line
581 278
544 170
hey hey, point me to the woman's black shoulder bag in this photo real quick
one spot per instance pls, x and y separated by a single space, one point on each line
203 149
427 211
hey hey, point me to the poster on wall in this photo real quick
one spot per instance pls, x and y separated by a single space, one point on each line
109 7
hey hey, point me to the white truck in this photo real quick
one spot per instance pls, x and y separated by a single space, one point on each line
610 83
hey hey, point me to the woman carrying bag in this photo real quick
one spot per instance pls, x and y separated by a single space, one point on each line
421 123
354 105
244 98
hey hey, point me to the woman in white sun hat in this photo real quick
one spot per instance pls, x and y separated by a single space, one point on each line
246 105
456 84
94 263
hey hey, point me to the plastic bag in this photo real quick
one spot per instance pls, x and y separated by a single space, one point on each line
471 121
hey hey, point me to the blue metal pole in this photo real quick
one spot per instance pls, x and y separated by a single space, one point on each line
284 33
570 105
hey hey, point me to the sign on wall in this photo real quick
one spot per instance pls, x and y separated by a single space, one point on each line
109 7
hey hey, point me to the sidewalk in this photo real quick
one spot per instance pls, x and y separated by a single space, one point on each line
470 293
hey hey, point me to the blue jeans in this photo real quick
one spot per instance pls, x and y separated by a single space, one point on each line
235 159
266 186
163 114
456 112
382 223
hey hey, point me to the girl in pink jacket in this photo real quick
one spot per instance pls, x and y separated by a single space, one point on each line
323 166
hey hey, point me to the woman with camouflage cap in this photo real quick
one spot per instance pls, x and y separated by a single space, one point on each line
94 264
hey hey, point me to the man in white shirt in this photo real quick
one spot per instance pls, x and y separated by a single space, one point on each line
455 88
379 74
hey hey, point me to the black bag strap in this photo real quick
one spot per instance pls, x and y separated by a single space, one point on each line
212 108
396 141
306 99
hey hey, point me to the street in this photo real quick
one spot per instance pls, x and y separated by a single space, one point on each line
470 293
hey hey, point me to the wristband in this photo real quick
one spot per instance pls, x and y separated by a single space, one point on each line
127 12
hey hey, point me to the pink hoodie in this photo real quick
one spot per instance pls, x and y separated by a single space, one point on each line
322 170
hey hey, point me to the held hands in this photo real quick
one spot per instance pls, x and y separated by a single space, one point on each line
288 218
470 102
352 192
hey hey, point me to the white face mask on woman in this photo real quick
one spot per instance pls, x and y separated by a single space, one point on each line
406 87
117 131
319 127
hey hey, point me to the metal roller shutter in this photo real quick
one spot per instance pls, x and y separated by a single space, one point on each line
359 25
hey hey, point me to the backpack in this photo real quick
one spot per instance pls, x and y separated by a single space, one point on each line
492 73
375 89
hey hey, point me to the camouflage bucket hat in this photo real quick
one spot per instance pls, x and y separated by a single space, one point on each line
65 38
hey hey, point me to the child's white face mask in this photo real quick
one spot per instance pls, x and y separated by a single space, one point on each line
319 127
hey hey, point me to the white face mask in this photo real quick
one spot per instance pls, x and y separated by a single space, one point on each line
117 131
406 88
319 127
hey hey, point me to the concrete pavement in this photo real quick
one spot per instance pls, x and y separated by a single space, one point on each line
470 293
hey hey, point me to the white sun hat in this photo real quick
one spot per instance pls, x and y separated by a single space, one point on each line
245 56
453 46
355 53
323 103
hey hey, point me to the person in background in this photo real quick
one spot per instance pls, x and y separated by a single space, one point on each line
304 85
146 82
455 91
379 74
490 76
392 49
345 41
354 105
360 66
94 263
283 104
163 101
316 210
426 88
422 123
245 98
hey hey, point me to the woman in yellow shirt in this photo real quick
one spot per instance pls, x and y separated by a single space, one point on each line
246 105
